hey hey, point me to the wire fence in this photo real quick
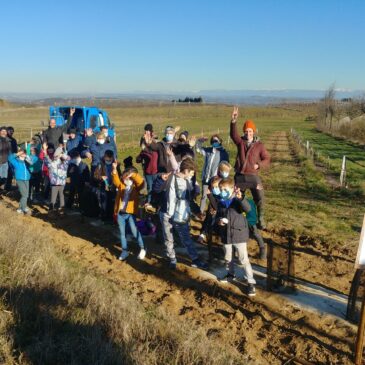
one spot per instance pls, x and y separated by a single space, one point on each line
325 160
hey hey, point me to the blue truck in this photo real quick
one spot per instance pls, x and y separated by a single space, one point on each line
84 117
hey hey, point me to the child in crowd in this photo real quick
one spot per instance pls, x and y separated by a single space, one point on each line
175 213
213 156
126 207
254 231
57 170
20 162
45 173
105 191
224 169
213 195
79 174
148 159
35 169
234 231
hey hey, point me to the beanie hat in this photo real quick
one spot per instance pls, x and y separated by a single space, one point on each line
73 131
249 124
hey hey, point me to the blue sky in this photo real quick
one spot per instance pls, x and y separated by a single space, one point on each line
122 46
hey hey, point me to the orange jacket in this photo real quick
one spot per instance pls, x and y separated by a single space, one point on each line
132 205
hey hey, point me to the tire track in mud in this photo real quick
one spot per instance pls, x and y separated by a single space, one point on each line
267 328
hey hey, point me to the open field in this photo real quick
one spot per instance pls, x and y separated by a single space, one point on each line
322 222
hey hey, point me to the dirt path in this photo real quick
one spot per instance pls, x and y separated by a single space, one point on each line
269 328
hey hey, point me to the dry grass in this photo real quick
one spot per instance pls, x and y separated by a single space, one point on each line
57 313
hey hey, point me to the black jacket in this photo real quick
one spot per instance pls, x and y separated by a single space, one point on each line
236 230
53 136
160 148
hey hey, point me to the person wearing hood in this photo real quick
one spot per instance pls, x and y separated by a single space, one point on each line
167 160
213 156
97 151
20 163
57 171
252 157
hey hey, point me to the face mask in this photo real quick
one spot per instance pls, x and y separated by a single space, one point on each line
216 144
22 158
108 162
224 174
169 137
216 191
225 194
128 183
101 141
106 134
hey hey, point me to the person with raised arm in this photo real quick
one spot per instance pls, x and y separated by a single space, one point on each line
252 157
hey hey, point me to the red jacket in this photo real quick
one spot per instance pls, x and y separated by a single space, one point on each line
247 157
149 161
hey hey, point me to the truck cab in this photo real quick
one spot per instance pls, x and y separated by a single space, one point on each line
84 117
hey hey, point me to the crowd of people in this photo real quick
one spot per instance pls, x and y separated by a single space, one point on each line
98 185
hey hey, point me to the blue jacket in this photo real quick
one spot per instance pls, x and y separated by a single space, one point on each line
21 169
98 151
73 144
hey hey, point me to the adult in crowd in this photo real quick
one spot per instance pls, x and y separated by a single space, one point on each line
97 151
167 160
53 135
213 156
5 151
89 139
252 157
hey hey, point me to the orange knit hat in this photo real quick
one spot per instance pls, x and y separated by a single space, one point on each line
249 124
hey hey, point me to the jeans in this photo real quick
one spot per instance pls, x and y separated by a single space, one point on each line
203 200
106 201
242 259
183 232
23 186
149 183
123 219
34 184
4 170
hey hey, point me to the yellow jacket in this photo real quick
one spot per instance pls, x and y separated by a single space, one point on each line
132 205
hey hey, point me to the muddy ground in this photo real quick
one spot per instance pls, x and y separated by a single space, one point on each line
269 327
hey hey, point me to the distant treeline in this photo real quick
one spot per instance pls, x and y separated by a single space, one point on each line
189 100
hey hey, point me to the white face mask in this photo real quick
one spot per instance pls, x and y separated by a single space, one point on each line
22 158
224 174
77 161
106 133
128 183
101 141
